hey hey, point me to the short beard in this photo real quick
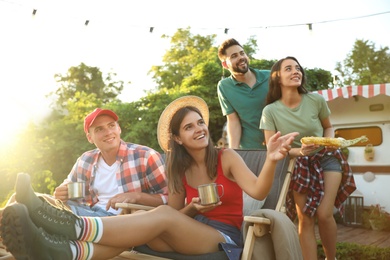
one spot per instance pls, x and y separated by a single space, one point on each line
240 71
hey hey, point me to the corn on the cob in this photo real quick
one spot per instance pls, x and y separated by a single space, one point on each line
328 141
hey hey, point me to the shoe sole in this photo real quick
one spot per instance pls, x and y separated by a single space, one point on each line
14 222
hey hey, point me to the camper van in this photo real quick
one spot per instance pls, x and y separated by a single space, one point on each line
365 110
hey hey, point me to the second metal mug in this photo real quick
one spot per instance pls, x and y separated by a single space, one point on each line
76 190
208 193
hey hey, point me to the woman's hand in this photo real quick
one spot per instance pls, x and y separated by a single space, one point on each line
307 149
203 208
279 146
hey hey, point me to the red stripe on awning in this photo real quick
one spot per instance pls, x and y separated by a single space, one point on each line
366 91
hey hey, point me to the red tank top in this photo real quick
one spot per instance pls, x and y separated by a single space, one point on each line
230 211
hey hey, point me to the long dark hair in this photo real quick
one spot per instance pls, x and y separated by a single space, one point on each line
178 159
275 91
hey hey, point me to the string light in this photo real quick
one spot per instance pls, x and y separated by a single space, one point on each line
226 30
310 25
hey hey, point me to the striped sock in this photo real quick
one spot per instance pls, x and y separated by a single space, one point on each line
92 231
81 250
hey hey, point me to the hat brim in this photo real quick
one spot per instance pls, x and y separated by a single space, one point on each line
163 131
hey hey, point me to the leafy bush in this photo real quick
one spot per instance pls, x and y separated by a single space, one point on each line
352 251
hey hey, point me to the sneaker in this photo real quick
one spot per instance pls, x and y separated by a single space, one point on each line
25 241
54 220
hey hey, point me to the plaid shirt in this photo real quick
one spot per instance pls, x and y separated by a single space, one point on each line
308 178
141 170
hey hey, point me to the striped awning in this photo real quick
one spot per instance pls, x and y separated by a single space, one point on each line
366 91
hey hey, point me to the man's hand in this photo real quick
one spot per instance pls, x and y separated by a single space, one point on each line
128 197
61 192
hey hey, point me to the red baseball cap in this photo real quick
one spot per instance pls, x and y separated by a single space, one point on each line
89 119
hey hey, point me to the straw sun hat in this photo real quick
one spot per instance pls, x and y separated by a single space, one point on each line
163 132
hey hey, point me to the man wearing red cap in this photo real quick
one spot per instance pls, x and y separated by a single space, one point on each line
115 171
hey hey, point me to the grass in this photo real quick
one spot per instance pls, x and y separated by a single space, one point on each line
352 251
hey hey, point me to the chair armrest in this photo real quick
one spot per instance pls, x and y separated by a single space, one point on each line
280 206
258 220
131 208
261 227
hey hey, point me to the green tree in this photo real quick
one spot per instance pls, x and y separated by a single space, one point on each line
250 47
317 79
186 51
262 64
85 79
365 64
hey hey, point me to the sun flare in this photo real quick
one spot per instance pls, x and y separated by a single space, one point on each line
13 122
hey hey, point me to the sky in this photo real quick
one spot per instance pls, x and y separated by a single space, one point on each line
117 39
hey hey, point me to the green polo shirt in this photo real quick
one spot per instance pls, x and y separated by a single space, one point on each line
248 103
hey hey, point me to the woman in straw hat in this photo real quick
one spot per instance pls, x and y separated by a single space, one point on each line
36 229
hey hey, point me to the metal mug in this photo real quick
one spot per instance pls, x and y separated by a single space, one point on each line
76 190
208 193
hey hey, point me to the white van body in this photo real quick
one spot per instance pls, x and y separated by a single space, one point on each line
362 106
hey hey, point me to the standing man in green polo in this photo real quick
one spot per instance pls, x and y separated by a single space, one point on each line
242 97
